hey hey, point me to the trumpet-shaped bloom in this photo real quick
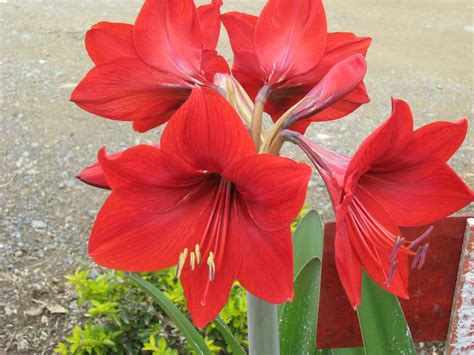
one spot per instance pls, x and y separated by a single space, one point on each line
398 177
288 51
205 201
144 72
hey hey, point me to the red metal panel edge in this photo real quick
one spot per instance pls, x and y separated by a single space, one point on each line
461 331
431 289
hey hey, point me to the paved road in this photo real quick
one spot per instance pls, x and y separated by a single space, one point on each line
422 52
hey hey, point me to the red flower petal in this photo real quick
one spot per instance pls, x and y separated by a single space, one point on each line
340 45
290 37
207 132
267 267
344 106
380 272
212 63
94 174
106 42
126 237
273 188
144 125
382 144
246 67
437 139
367 240
206 298
129 90
171 183
209 18
425 199
167 35
241 28
348 265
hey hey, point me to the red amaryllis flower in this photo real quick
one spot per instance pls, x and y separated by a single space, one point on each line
398 177
145 72
287 51
206 201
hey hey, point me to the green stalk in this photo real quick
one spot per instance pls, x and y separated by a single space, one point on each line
257 116
262 321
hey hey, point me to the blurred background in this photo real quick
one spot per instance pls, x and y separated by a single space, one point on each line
422 52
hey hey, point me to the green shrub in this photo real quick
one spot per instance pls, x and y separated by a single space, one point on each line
122 319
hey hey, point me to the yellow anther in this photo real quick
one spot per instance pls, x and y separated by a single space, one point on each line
192 258
182 260
198 254
212 266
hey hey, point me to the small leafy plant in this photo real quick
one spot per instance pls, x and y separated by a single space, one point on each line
122 319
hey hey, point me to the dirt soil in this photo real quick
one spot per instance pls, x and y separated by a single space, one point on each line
422 52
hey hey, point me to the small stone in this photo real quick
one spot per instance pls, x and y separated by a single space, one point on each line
34 312
322 136
38 224
70 182
36 287
56 309
19 253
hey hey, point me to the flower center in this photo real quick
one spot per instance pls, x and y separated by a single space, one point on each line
213 239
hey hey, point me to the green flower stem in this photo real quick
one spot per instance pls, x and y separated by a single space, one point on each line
257 116
263 327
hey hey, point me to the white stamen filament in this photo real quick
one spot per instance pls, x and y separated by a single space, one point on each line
192 260
182 260
212 266
198 254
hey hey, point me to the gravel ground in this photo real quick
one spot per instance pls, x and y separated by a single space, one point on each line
422 52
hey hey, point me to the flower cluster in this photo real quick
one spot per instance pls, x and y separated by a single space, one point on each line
214 197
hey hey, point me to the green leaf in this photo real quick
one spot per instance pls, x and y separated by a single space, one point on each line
184 325
228 336
308 240
342 351
382 322
298 319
